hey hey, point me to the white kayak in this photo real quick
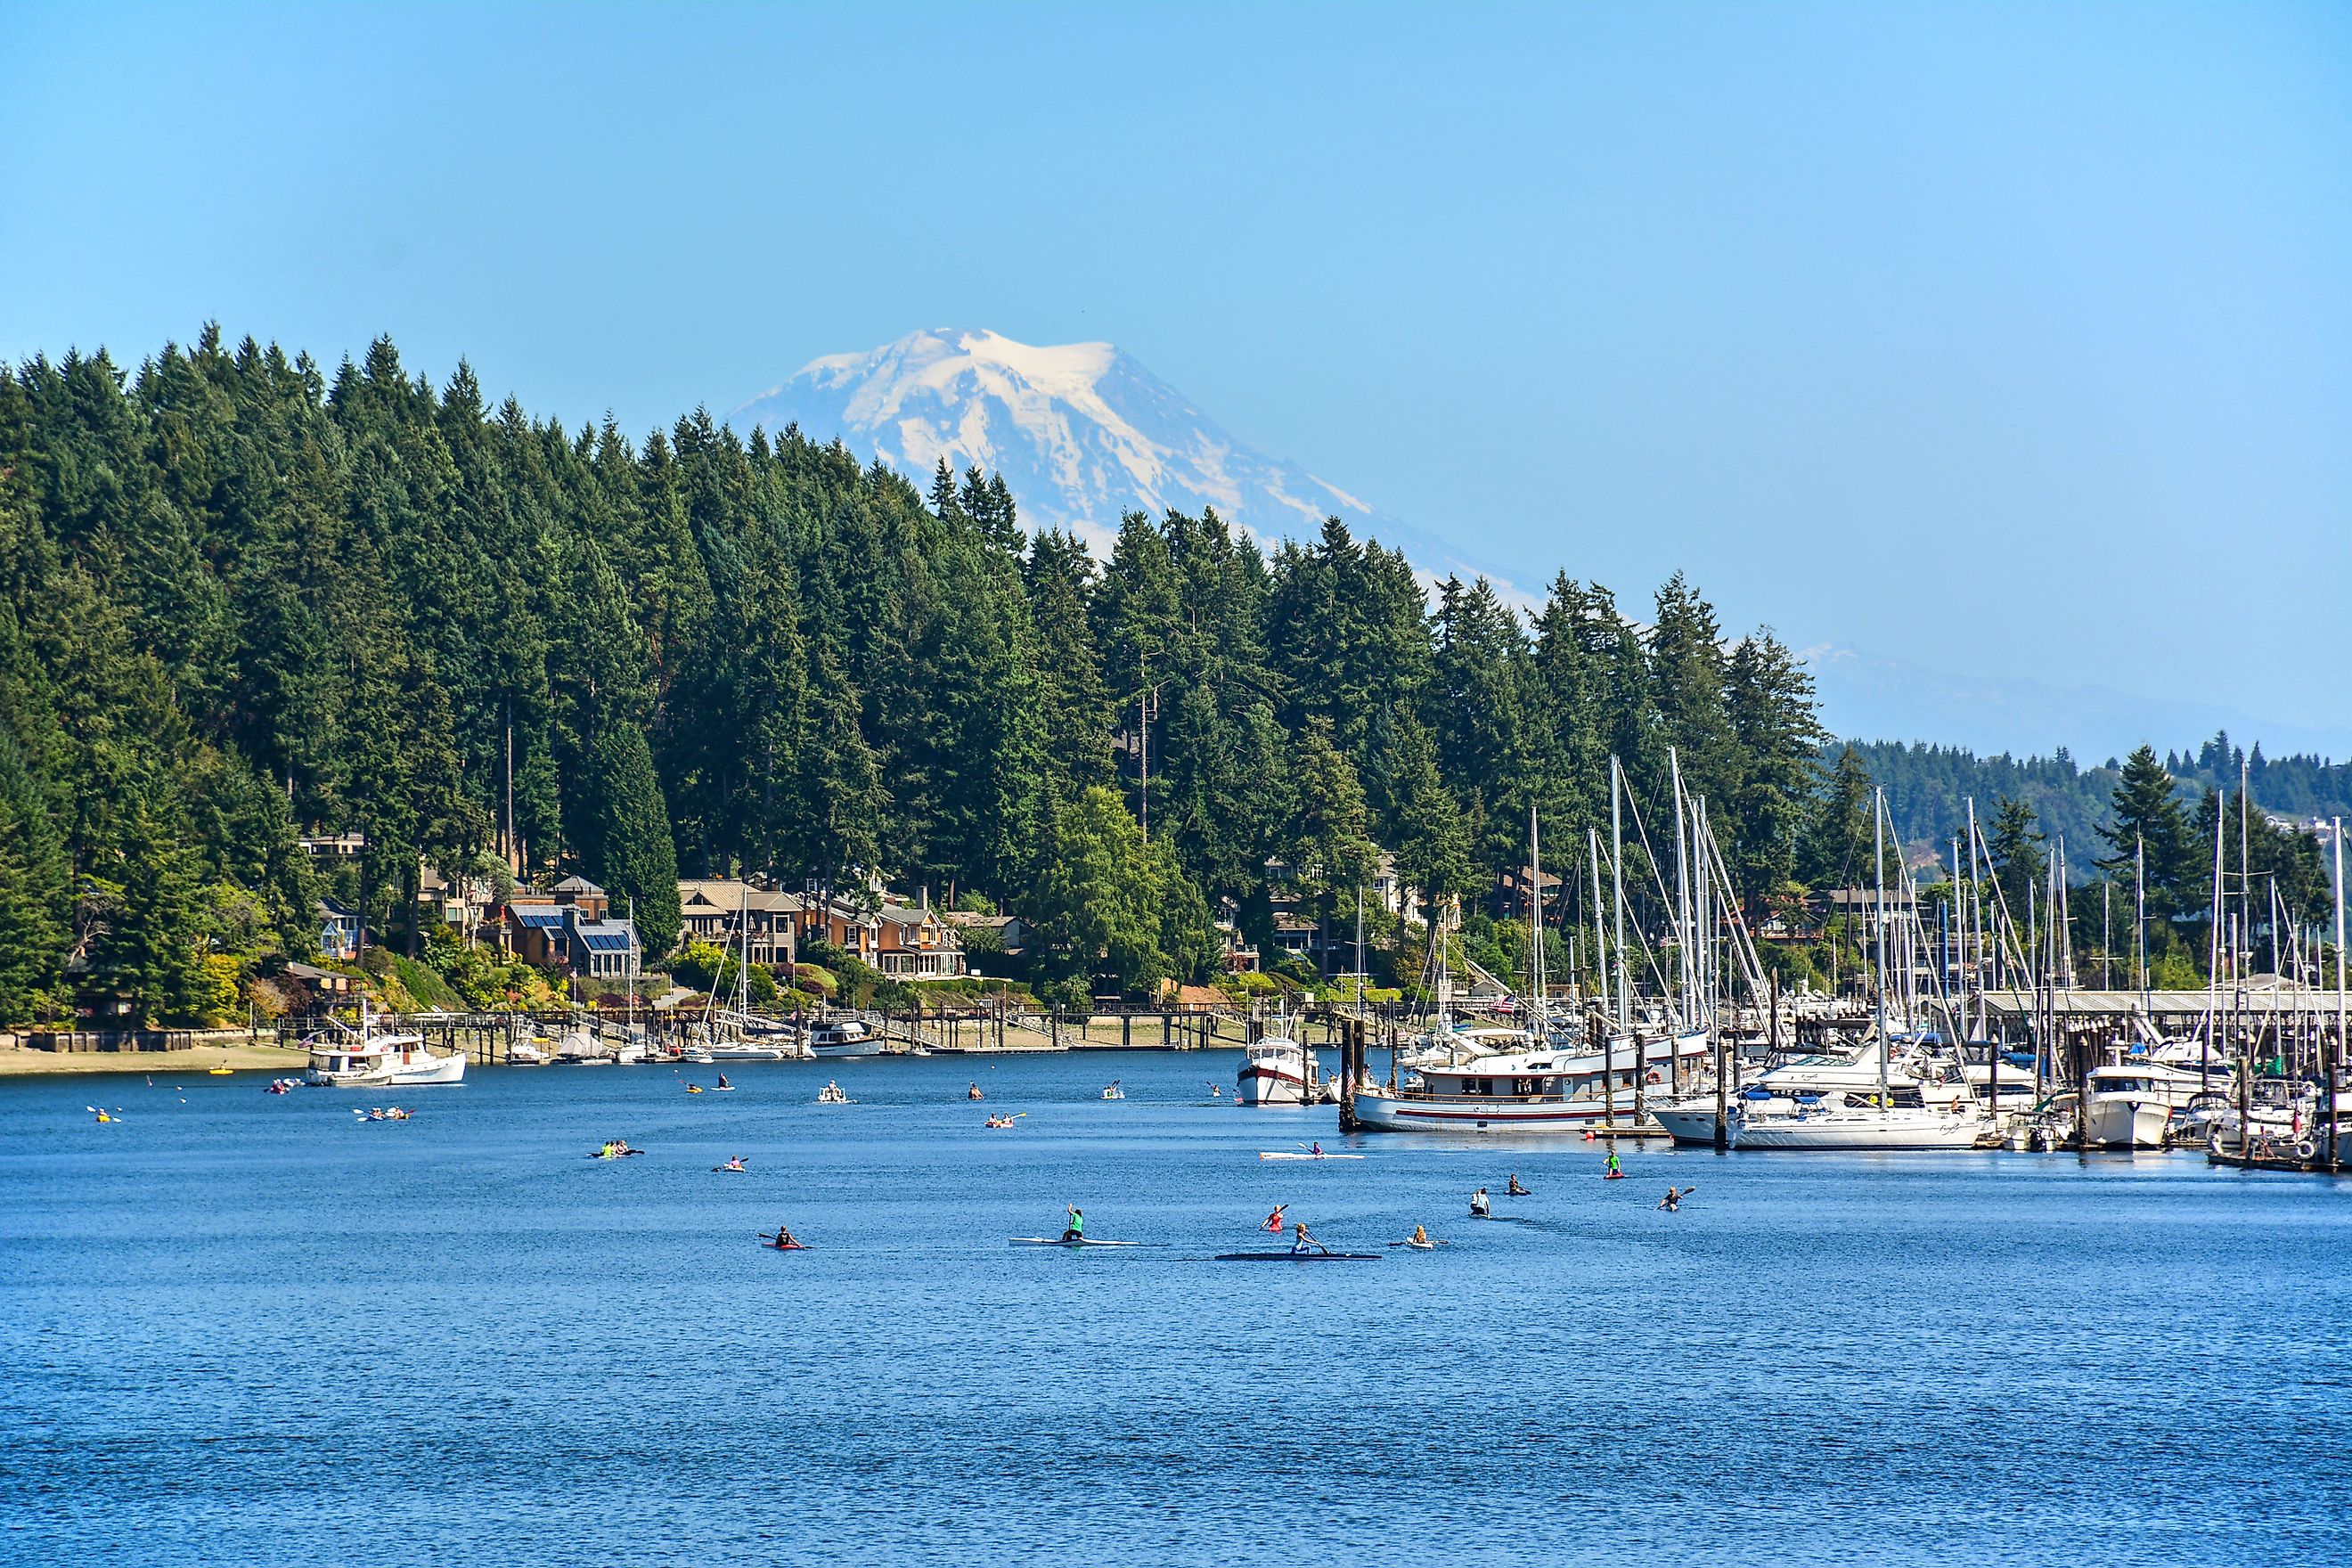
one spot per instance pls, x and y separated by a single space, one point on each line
1301 1154
1057 1241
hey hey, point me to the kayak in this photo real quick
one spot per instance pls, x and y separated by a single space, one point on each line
771 1243
1057 1241
1298 1258
1613 1175
1301 1154
734 1170
617 1154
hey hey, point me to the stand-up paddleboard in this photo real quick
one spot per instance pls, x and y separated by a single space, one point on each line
1298 1258
1057 1241
1301 1154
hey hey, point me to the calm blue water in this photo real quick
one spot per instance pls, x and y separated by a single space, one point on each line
249 1330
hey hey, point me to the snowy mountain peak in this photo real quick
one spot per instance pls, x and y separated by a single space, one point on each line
1082 433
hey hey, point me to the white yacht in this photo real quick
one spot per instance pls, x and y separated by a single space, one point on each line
1536 1090
2129 1104
845 1038
368 1057
1845 1125
1278 1070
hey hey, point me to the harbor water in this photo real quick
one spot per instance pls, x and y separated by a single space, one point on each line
238 1328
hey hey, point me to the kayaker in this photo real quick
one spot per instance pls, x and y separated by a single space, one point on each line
1515 1190
1077 1229
736 1164
1420 1237
973 1093
784 1237
1318 1151
1674 1198
1479 1206
1301 1241
723 1083
1273 1220
1613 1168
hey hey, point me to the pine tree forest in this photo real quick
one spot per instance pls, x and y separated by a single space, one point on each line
250 602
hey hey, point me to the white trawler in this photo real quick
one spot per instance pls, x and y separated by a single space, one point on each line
1278 1070
367 1058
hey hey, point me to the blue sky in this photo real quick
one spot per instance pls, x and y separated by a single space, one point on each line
2005 349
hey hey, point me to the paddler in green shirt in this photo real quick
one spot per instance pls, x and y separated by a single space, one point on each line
1077 1229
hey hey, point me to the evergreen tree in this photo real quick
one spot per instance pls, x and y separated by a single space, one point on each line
627 847
2149 827
34 906
2019 863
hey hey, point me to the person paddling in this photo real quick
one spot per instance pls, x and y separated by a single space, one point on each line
1613 1168
786 1240
1515 1190
1420 1238
1301 1241
1673 1200
1479 1205
1273 1220
723 1083
1077 1229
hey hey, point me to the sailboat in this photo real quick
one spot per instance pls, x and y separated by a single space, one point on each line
1865 1120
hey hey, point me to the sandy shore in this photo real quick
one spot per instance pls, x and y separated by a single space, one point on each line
269 1060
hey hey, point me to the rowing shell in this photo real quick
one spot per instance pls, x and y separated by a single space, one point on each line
1298 1258
1301 1154
1057 1241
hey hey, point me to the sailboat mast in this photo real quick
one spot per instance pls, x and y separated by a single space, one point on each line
1681 890
2336 1051
1600 932
1536 916
1878 874
1617 864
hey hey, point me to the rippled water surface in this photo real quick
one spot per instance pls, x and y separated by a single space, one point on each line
239 1329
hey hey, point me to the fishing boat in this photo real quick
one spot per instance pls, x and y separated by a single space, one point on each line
1278 1070
370 1058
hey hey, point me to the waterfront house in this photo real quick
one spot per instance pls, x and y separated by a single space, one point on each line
715 909
915 943
568 927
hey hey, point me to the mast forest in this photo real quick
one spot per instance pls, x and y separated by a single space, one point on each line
247 602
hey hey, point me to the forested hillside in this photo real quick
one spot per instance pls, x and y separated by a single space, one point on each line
1928 787
247 599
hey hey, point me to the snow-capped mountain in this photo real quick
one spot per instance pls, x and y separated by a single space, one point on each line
1082 433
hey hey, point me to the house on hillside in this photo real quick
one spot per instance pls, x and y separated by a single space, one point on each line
914 944
567 927
338 931
718 910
